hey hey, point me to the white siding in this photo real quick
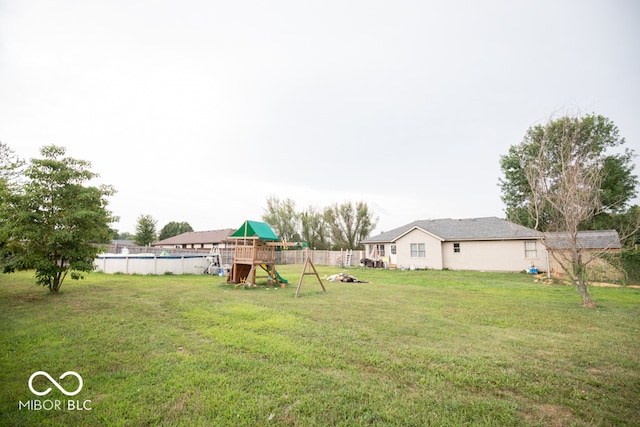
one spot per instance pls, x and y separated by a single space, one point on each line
433 253
499 255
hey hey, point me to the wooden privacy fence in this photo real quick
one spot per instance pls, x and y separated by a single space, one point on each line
290 256
320 257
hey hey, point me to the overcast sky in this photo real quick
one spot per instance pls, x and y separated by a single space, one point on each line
198 110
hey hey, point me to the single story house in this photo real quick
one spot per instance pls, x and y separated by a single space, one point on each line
485 244
198 240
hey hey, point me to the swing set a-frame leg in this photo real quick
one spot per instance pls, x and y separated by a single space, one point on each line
305 272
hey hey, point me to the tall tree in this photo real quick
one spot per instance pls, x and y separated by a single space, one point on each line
281 215
59 219
174 228
314 229
145 230
594 138
10 166
11 172
349 224
558 180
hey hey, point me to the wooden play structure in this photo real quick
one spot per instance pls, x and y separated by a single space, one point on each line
252 252
255 251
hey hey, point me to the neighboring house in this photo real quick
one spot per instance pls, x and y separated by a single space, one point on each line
198 240
489 244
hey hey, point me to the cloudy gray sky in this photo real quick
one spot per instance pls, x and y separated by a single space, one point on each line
198 110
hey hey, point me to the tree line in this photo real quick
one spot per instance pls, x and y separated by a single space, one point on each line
146 231
338 226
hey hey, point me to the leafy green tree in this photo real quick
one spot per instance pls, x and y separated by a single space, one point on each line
314 229
281 215
11 168
626 223
174 228
631 223
145 230
125 235
349 224
59 220
11 171
596 139
559 180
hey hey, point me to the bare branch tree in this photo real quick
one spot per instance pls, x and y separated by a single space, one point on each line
565 181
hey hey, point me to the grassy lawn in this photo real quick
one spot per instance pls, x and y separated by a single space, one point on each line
410 348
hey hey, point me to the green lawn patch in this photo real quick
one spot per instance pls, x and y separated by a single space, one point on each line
408 348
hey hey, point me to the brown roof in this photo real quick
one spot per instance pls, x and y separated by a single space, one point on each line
197 237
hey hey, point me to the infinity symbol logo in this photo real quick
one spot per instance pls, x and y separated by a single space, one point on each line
55 383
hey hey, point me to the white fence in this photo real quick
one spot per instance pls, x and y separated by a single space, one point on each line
199 263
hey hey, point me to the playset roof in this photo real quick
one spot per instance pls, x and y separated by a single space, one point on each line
255 229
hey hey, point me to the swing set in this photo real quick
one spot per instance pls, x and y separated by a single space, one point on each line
255 251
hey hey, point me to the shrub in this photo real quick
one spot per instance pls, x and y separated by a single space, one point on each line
629 262
631 265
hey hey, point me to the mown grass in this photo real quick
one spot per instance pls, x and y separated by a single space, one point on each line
409 348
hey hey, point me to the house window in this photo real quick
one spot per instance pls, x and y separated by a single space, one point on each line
393 249
530 250
456 248
417 250
378 248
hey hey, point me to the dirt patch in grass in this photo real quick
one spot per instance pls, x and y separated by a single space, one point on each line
550 415
613 285
559 281
26 297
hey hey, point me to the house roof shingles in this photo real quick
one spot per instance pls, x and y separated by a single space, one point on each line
493 228
489 228
595 239
197 237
